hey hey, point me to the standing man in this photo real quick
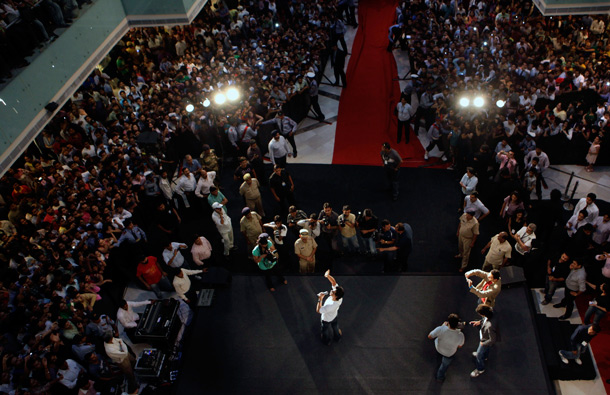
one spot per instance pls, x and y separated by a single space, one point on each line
580 339
575 285
557 271
305 248
391 165
117 351
588 203
404 245
250 225
313 96
278 149
387 244
265 256
337 62
404 111
368 225
329 310
487 333
472 202
329 226
185 187
469 182
467 233
347 228
523 243
255 157
223 224
489 288
172 255
129 318
499 251
287 127
182 284
448 338
250 190
282 188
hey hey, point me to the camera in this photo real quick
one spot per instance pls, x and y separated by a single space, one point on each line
341 223
276 233
325 221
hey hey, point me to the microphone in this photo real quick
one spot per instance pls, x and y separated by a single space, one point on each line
323 293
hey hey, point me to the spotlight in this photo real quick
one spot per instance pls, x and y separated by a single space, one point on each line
190 107
478 102
500 103
220 98
232 94
464 102
277 25
206 102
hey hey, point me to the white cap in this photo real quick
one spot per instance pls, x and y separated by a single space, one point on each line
216 205
311 74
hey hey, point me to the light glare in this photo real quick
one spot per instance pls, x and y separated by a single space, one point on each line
464 102
220 98
232 94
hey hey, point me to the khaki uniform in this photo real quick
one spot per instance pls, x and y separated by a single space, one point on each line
210 161
497 252
251 227
252 195
468 230
306 249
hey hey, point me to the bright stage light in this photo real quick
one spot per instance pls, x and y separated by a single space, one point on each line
206 102
190 107
478 102
500 103
220 98
232 94
464 102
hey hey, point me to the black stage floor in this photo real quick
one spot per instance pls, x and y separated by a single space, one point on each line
254 341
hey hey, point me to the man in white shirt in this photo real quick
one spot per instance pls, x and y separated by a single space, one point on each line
588 203
404 111
469 181
448 338
523 243
186 186
279 150
602 229
472 202
223 224
329 311
117 351
69 372
182 282
172 255
201 250
206 180
129 318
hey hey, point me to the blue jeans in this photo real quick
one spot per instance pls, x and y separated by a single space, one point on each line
482 354
369 245
550 288
162 285
446 361
594 312
350 243
330 331
580 349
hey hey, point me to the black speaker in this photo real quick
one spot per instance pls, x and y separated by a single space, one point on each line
511 276
51 106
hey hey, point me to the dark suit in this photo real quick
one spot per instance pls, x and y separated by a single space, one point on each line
337 62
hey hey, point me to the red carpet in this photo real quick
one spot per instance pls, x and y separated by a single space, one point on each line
366 117
600 344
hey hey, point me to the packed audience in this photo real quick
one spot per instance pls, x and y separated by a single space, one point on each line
27 25
124 166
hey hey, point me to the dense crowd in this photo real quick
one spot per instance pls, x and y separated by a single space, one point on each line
27 25
124 167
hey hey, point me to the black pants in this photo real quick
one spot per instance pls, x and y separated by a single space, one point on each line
316 108
274 271
340 74
406 125
568 302
438 143
290 138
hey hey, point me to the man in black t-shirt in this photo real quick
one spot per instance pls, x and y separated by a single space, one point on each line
368 225
282 188
557 270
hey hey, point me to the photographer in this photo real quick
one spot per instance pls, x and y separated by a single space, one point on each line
368 225
347 227
294 216
264 255
311 224
279 231
330 226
